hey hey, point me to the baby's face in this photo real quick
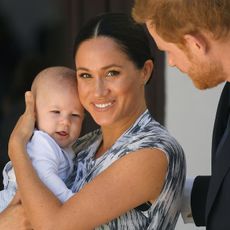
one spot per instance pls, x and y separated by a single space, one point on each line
60 114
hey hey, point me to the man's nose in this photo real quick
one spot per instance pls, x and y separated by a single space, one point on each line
170 61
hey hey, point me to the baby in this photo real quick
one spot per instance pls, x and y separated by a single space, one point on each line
59 116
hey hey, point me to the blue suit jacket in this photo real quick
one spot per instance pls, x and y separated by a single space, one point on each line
210 198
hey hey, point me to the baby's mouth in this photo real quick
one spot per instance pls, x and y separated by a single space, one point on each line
62 133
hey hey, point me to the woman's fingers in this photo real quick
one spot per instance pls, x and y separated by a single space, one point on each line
29 100
29 115
25 125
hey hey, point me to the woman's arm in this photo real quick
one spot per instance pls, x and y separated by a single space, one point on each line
13 217
127 183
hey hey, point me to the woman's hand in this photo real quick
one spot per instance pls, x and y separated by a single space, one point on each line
24 127
13 217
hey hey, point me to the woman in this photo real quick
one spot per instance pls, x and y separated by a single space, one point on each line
130 173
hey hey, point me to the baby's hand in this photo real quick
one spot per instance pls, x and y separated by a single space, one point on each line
24 127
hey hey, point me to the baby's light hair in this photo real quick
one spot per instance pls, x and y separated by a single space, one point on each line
56 73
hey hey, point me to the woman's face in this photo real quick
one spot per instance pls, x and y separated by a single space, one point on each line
111 87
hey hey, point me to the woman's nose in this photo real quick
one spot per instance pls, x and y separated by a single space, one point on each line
101 88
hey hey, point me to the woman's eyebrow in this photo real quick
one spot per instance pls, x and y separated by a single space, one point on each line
82 68
112 65
104 67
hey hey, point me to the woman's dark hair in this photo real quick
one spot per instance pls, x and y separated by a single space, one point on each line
130 36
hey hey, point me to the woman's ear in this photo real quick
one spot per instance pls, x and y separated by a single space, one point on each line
147 71
196 43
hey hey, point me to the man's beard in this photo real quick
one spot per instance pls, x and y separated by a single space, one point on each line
206 75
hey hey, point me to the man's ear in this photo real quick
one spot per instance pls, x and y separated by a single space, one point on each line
147 71
196 43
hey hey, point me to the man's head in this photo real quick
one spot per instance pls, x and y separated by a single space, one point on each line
173 19
58 109
190 32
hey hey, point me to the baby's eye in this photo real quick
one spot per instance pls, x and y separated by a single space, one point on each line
113 73
55 111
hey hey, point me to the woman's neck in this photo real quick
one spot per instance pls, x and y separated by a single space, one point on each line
111 133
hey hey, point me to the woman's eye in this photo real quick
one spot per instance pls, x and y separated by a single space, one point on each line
84 75
113 73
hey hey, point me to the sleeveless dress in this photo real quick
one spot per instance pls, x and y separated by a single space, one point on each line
144 133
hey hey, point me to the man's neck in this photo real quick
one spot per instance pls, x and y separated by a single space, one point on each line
223 54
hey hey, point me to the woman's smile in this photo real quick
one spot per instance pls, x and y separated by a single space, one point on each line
103 106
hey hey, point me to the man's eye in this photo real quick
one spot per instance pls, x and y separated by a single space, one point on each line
75 115
113 73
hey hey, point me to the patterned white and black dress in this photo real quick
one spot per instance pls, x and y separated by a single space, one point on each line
144 133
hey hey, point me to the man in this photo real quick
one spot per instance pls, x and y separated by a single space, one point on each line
196 37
